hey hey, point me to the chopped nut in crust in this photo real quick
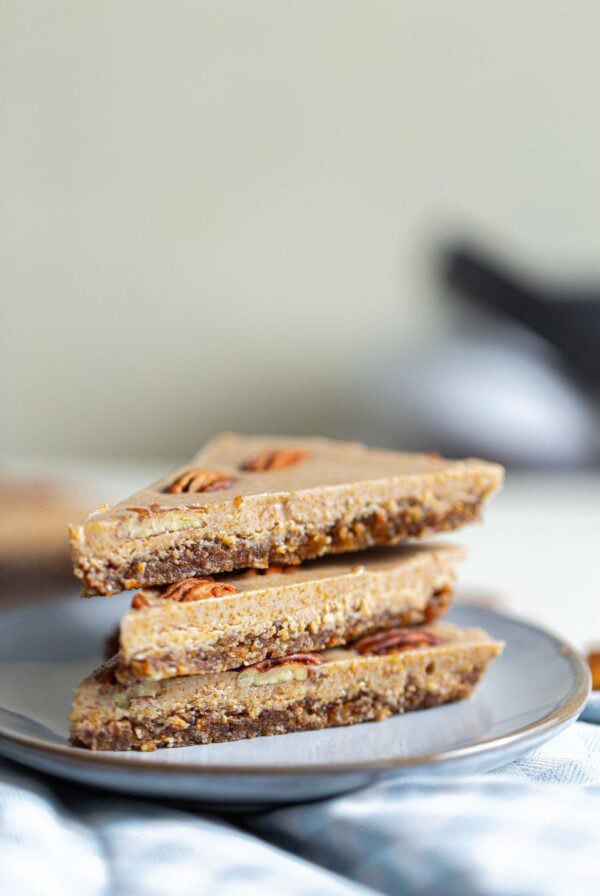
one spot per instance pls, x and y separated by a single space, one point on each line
274 459
200 480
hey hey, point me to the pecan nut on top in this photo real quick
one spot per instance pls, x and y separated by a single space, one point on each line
187 590
303 659
395 640
593 659
273 459
201 480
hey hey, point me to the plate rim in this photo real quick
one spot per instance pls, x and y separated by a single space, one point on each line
568 710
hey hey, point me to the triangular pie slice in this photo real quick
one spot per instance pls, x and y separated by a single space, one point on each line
257 501
376 677
210 624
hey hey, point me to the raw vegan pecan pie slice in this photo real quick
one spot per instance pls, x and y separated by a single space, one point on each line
294 500
205 625
297 694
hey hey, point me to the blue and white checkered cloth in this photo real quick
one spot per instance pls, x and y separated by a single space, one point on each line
531 828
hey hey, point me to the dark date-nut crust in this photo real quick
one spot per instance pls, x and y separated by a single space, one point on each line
210 556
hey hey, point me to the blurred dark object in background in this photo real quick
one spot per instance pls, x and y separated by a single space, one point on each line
515 375
568 318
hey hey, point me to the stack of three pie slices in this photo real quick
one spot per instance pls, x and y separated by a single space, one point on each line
246 624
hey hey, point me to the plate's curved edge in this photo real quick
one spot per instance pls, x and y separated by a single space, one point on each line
559 718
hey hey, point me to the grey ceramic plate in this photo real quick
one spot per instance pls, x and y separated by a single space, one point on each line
533 691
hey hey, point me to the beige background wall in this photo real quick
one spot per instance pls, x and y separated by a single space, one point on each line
216 214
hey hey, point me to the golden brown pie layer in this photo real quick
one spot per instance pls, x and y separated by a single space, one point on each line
284 501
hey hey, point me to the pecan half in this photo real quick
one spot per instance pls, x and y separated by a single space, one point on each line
186 591
302 659
273 459
395 640
200 480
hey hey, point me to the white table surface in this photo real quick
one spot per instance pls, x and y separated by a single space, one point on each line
538 552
